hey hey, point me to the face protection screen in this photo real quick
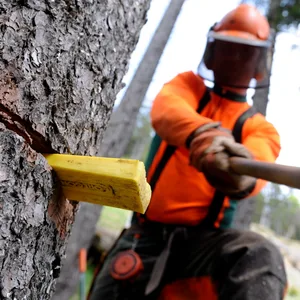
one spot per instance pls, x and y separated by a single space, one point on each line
234 64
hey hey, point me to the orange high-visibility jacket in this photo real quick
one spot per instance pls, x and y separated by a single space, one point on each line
182 195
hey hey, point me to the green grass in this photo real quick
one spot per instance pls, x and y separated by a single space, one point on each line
113 218
89 277
293 293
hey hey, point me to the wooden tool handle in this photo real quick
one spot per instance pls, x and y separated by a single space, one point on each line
276 173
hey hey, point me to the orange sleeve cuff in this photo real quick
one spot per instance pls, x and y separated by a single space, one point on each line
263 140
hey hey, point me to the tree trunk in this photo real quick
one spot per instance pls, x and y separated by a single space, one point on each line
81 237
61 66
261 96
138 148
244 213
245 209
115 142
31 243
123 120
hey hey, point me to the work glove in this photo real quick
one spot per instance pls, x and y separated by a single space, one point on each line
210 151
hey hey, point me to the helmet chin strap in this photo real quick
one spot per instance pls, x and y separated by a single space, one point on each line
233 94
236 90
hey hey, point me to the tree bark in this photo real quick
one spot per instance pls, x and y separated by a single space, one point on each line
61 66
115 142
31 243
82 234
123 120
261 96
244 213
245 209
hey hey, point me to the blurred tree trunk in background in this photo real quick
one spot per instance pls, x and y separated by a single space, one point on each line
115 142
261 96
245 209
123 120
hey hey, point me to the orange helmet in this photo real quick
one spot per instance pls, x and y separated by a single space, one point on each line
237 49
244 22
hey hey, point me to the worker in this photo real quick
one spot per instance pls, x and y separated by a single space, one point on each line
183 247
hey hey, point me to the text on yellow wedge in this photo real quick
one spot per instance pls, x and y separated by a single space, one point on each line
113 182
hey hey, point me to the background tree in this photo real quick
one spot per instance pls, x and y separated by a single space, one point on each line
62 63
115 142
123 121
140 141
281 14
278 209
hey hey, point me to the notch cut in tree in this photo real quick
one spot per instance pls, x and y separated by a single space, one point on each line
61 66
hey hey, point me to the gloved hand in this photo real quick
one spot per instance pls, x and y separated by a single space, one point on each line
208 139
210 152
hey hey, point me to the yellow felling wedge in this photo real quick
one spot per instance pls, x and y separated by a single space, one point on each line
112 182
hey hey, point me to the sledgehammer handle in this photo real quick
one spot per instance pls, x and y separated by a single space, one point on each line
276 173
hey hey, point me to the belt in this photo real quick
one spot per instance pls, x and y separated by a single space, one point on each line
170 232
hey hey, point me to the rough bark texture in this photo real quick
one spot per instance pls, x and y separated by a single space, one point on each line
261 96
31 246
61 66
244 213
123 120
245 209
82 233
115 142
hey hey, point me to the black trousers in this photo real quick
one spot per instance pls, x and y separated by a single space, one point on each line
243 264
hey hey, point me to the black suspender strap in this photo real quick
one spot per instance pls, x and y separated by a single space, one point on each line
237 130
170 149
160 166
219 197
204 100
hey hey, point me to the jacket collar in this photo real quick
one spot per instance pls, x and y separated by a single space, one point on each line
228 94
